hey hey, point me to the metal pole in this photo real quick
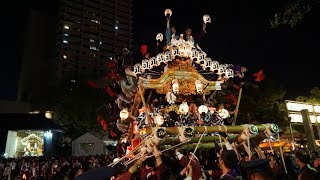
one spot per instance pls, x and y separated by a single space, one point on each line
291 132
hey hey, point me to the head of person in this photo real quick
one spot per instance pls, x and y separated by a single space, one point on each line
228 159
119 169
301 158
173 30
188 32
149 163
257 169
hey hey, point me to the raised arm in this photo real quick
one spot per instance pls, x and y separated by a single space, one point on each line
168 32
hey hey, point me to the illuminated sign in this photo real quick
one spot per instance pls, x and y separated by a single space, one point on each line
295 107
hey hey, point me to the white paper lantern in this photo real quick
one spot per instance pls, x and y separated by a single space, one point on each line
145 64
206 63
137 69
124 114
203 109
175 52
160 59
223 113
206 18
229 73
159 120
214 66
152 62
159 37
167 57
175 86
222 69
194 55
201 56
168 12
199 86
184 108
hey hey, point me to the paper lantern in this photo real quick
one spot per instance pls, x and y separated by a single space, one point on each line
175 52
194 55
206 63
152 62
124 114
159 120
199 86
167 57
159 37
137 69
175 86
214 66
203 109
168 13
223 113
206 18
229 73
222 69
145 64
160 59
184 108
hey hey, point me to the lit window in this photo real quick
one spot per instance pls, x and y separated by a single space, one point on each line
64 57
95 21
116 27
66 35
66 26
100 42
93 48
91 40
65 41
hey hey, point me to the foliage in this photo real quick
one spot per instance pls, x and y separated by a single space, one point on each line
292 13
313 98
76 106
263 104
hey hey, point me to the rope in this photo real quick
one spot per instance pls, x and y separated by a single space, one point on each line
281 152
205 131
225 128
114 163
170 148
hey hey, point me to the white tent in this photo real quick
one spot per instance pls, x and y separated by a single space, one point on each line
87 144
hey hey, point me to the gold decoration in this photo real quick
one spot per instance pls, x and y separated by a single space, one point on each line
185 74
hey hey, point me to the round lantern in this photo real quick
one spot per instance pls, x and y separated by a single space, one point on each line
168 13
206 18
203 109
159 37
184 108
124 114
223 113
158 120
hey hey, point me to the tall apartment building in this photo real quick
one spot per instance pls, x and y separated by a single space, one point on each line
89 32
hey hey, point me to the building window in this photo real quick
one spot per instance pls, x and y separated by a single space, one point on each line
91 40
100 42
94 48
66 26
64 56
66 35
95 21
65 41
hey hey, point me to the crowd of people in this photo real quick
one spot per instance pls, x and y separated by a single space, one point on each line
175 164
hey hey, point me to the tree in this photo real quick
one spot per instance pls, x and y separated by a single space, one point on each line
76 103
292 13
263 104
313 98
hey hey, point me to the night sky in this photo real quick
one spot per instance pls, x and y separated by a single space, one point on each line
239 34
